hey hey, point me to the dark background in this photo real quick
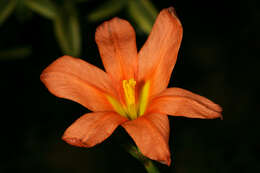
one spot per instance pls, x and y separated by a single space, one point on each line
219 59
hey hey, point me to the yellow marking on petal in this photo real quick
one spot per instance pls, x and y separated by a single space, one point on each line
129 90
117 106
143 100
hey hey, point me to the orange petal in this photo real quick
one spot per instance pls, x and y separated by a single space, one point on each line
180 102
117 46
151 135
92 128
159 53
77 80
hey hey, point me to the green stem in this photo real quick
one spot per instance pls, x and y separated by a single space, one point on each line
148 164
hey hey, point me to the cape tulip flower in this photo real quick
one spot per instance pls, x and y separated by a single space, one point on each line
132 92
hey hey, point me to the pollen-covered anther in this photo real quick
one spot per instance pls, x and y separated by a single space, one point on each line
129 91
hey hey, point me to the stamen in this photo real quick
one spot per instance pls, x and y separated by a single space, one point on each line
131 109
129 90
117 106
143 100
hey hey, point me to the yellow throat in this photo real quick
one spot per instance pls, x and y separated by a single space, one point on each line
131 109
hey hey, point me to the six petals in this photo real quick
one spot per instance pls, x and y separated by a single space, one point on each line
77 80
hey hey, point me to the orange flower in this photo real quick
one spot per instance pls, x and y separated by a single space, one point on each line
132 92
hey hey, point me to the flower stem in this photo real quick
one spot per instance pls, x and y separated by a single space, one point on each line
148 164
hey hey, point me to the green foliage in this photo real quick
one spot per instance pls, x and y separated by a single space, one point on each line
6 8
15 53
108 9
80 1
67 30
143 13
65 17
46 8
65 20
22 13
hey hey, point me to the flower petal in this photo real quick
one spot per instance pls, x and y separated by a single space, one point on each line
92 128
151 135
77 80
117 46
159 53
180 102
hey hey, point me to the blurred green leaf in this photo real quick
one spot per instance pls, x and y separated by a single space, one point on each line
75 35
107 9
74 28
46 8
6 8
66 23
148 5
67 30
61 33
79 1
143 13
15 53
21 12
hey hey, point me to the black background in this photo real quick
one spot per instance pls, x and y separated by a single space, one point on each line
219 59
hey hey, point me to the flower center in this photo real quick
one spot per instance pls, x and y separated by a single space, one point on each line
131 109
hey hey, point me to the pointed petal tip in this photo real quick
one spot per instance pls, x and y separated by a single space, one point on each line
181 102
74 142
218 108
217 111
158 55
172 11
92 128
220 116
216 115
151 135
167 161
